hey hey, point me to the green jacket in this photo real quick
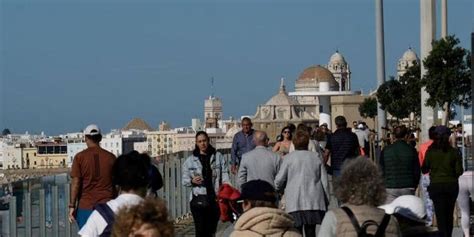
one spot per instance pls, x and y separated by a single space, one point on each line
400 165
444 167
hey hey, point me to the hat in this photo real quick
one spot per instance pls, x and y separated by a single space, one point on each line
258 190
360 126
408 206
92 130
442 130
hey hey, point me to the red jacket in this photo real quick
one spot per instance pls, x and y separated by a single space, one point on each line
227 198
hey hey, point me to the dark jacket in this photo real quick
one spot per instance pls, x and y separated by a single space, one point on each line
342 144
444 167
400 165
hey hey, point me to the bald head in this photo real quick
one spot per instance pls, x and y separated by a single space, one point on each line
260 138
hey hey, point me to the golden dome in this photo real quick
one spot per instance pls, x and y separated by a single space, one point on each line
138 124
317 73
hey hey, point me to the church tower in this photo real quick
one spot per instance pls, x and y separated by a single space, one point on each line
212 109
407 60
340 69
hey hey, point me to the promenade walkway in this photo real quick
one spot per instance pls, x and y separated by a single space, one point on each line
44 203
185 228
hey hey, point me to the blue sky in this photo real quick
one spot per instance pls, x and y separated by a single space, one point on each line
65 64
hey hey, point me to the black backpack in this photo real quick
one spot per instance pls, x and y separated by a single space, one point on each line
109 217
362 230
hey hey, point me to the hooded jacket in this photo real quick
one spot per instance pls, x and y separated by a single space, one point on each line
265 221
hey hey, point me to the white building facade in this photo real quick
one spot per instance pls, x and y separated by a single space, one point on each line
72 149
12 157
112 142
141 147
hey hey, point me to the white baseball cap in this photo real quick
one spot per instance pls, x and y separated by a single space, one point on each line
409 206
92 130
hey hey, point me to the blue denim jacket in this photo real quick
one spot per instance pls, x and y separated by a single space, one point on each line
192 167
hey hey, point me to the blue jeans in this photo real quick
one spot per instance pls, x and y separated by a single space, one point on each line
82 216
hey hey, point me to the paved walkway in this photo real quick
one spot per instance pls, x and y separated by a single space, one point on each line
185 228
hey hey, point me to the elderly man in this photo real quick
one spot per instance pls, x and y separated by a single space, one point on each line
260 163
242 143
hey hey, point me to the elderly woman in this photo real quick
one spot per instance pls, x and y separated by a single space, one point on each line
360 188
205 170
303 177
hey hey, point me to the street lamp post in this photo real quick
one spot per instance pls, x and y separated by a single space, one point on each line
381 115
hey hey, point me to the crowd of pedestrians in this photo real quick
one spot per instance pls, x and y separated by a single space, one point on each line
284 190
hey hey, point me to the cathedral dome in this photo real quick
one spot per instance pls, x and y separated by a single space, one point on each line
282 97
137 124
337 58
318 74
409 56
232 131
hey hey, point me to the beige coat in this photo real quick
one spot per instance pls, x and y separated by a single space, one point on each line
336 223
264 221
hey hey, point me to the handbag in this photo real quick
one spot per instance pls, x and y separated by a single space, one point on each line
200 201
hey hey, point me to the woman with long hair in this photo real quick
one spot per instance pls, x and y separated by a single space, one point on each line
444 163
283 146
205 170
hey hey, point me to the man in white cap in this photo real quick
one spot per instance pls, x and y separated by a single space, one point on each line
91 177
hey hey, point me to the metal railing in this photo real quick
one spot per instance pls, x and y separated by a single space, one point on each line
43 202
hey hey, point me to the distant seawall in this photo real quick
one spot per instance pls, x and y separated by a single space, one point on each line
10 176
